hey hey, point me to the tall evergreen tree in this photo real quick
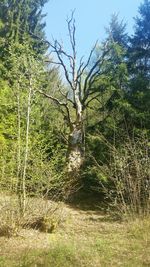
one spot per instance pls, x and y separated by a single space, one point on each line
139 67
140 41
23 22
114 68
117 31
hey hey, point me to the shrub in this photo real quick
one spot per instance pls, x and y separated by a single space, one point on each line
125 180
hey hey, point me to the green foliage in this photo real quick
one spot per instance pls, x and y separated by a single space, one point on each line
22 67
139 67
121 105
117 31
23 20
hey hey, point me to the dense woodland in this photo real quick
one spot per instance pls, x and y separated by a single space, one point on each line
70 127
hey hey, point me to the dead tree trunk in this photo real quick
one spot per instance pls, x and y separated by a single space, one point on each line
75 155
76 144
80 93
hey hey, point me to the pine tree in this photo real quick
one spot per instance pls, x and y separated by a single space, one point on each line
116 31
139 68
114 74
23 22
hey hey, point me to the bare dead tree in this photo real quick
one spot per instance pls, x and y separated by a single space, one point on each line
81 80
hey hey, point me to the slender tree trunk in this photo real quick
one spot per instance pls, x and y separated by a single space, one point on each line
23 202
18 138
19 178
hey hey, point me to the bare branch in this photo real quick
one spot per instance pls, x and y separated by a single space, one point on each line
65 95
91 92
59 104
91 99
52 98
53 62
59 52
65 70
90 79
81 98
93 78
81 70
72 30
57 46
90 73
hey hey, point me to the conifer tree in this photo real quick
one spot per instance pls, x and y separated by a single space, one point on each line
139 67
117 31
23 22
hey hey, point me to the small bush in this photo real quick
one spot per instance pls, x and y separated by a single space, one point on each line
125 180
40 214
45 224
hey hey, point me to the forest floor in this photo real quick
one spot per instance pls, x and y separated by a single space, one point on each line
83 238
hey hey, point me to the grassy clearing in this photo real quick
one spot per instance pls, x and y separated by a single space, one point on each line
83 238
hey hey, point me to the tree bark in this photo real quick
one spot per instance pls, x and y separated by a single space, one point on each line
75 155
76 142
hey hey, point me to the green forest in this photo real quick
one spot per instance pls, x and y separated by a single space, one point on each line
74 139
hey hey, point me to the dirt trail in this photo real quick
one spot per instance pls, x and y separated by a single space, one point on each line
82 238
74 223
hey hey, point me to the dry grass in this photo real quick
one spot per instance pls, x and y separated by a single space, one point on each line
40 215
82 238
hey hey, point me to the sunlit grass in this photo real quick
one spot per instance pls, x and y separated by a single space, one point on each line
126 244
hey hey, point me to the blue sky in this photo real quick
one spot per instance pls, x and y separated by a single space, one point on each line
91 18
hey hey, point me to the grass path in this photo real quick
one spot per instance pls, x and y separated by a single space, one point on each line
83 239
